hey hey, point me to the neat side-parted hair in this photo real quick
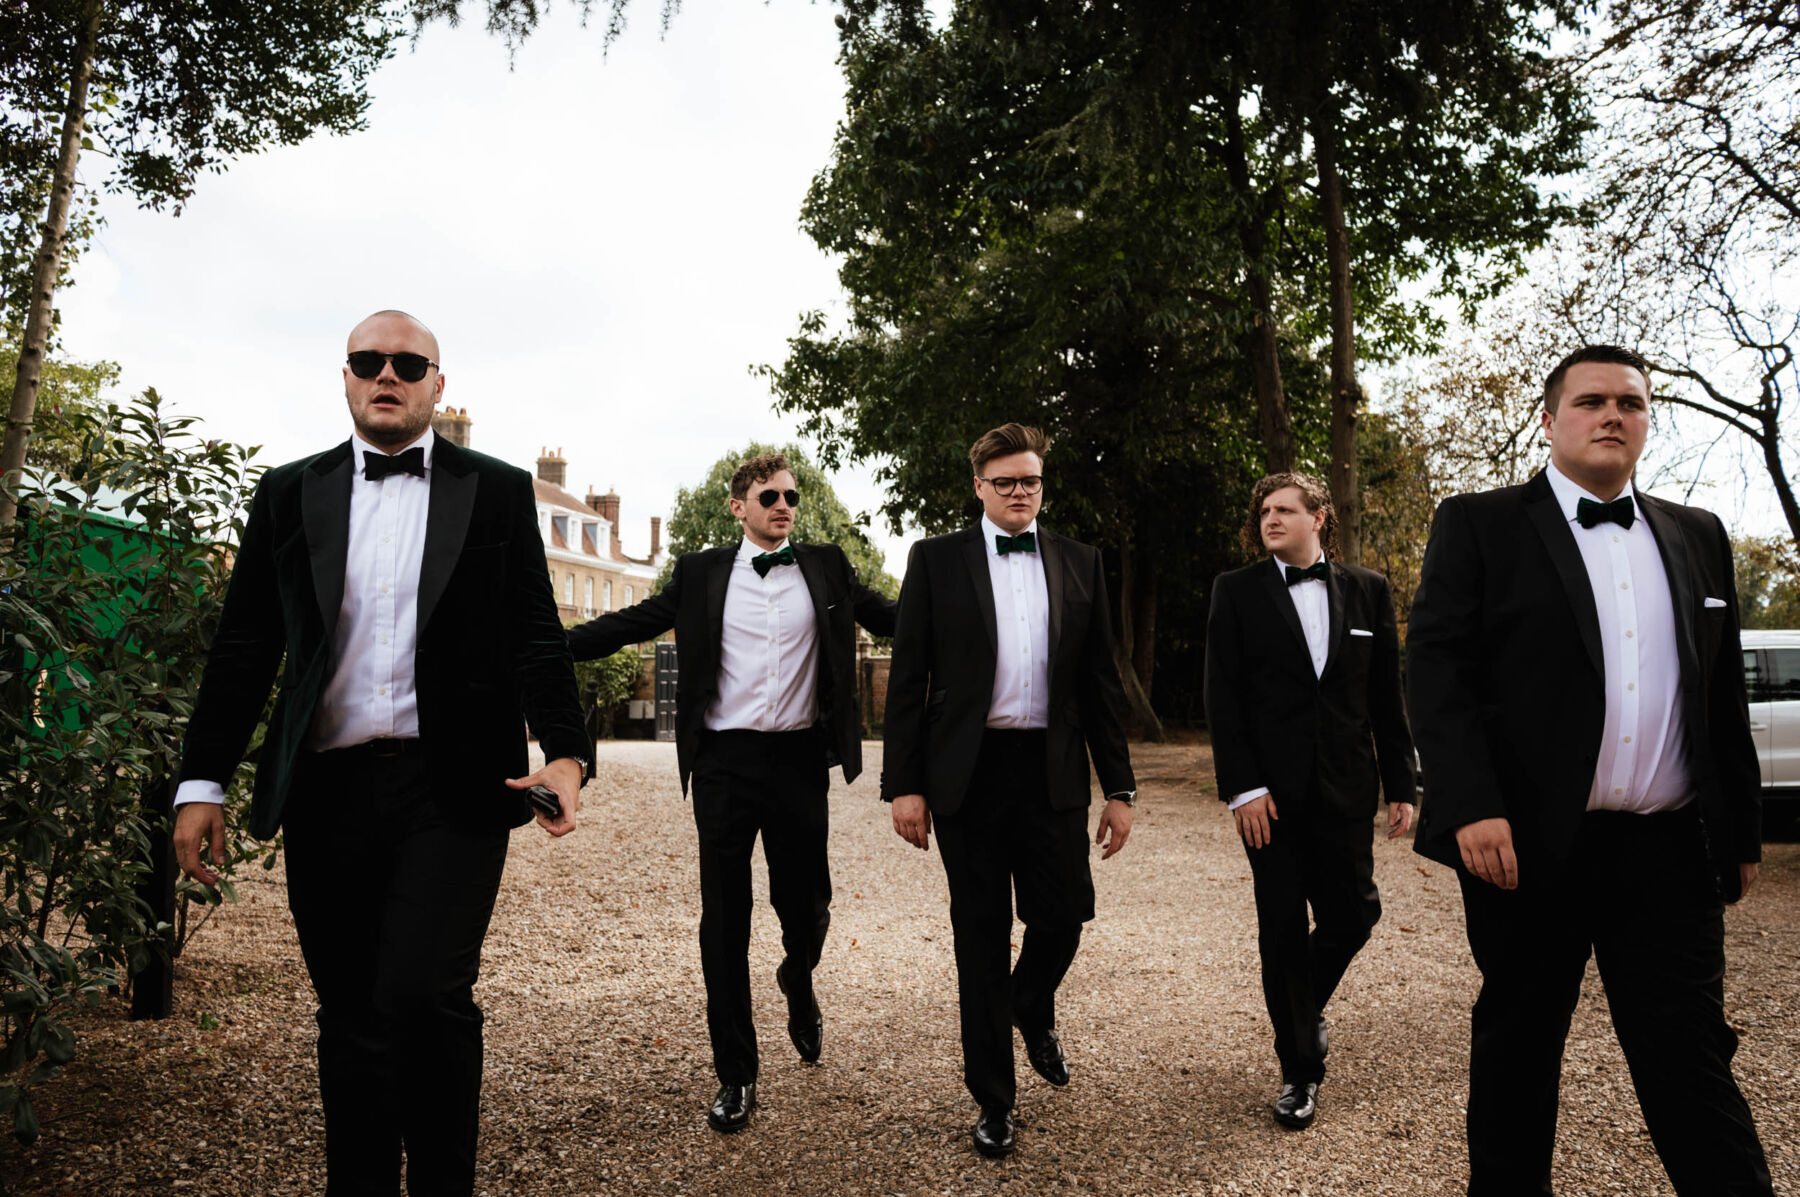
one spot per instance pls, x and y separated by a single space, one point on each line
755 470
1315 495
1612 355
1005 441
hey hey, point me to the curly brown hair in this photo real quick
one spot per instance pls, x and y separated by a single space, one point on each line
1313 492
755 470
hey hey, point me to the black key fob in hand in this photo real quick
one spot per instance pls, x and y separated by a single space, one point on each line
544 801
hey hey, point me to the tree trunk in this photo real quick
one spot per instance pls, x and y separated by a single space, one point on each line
1265 357
1346 396
1141 722
1784 489
48 264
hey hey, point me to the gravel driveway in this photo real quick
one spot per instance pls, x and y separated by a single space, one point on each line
598 1070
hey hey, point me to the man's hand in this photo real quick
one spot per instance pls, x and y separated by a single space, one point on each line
1746 874
202 824
1116 819
1253 820
1487 851
912 820
564 776
1400 817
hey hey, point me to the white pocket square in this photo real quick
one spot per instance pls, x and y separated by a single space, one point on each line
1713 602
1360 632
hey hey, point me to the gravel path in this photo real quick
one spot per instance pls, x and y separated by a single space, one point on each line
598 1069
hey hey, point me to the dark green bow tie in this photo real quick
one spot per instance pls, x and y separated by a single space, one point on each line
1024 542
768 561
1620 511
1317 572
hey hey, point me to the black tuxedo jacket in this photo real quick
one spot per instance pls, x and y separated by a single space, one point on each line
693 603
1506 677
941 682
490 648
1336 739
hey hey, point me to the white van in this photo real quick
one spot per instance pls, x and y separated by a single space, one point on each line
1772 680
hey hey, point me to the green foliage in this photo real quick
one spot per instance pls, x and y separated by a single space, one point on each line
68 404
109 584
1768 581
702 517
611 681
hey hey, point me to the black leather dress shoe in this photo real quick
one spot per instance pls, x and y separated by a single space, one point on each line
805 1026
994 1133
1298 1105
1045 1052
731 1108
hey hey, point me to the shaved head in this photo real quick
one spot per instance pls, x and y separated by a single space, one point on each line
386 316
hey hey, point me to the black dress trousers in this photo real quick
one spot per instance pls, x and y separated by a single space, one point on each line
1006 837
1639 894
391 902
1314 858
774 784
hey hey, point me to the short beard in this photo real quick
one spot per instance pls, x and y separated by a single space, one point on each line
392 438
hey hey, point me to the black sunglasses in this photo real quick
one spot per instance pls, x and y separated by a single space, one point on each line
767 498
367 363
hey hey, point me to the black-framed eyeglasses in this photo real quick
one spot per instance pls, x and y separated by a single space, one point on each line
410 367
767 498
1031 484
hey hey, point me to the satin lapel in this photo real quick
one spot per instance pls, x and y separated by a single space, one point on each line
453 486
812 568
1275 591
718 577
1672 545
975 554
1553 527
1056 574
325 513
1334 590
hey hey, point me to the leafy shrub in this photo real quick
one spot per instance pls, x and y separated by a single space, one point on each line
612 681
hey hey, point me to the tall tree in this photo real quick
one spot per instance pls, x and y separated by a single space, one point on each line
165 90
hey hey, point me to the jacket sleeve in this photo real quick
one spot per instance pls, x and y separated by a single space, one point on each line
1728 724
542 667
1102 696
1234 762
1387 705
875 611
909 684
246 651
1445 675
639 623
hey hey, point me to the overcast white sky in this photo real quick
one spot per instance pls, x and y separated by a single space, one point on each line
602 246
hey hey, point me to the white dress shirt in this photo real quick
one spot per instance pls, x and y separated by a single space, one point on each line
369 692
1641 763
1021 696
1312 602
769 650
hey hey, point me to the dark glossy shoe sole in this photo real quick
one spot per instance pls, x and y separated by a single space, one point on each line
1294 1122
725 1127
994 1151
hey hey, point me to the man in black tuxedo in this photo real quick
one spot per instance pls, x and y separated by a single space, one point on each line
1303 705
402 581
1576 688
765 705
1002 684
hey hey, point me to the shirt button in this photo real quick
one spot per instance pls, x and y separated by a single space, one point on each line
1628 739
1624 585
385 539
384 639
1615 540
1618 789
384 590
1629 633
1631 685
381 690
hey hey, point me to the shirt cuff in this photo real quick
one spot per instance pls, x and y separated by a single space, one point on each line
1246 796
199 791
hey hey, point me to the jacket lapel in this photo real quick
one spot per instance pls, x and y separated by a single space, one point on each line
1553 527
1055 566
718 577
1681 580
452 502
1275 591
813 570
325 514
975 555
1334 589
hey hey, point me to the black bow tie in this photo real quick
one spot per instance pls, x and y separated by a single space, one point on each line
1620 511
377 466
1024 542
768 561
1316 572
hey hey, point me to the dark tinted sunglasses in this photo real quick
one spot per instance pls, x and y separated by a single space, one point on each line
366 363
767 498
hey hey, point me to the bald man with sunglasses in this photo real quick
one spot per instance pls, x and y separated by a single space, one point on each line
397 582
765 705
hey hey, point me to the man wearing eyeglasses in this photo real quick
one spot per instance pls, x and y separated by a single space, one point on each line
1002 685
398 584
765 705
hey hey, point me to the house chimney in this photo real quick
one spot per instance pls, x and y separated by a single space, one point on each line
593 500
553 467
608 507
655 536
452 423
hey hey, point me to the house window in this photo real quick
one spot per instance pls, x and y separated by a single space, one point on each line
606 595
628 596
587 593
568 590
